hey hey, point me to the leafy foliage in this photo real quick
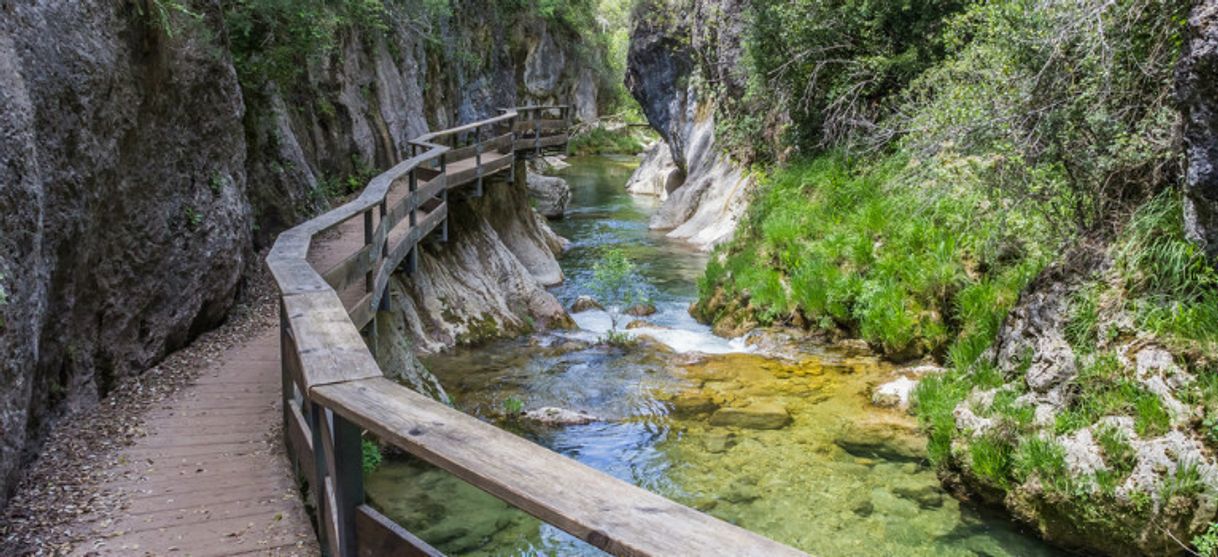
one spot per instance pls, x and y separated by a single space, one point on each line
851 245
372 456
836 65
616 284
599 140
275 40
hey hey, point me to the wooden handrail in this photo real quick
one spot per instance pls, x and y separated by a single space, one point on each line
333 387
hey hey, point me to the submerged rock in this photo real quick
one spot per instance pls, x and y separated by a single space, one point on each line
554 416
586 303
757 415
551 194
692 403
880 436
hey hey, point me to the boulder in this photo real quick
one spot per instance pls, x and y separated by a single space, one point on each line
552 416
758 415
894 394
643 309
550 193
657 174
586 303
882 436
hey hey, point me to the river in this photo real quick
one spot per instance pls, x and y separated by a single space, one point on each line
842 478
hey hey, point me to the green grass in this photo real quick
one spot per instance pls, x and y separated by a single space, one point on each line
1118 453
1043 458
991 459
870 247
1170 286
602 141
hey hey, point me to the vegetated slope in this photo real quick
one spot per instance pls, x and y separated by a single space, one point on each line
152 146
1002 187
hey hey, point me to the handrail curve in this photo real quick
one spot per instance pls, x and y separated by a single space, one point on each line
333 388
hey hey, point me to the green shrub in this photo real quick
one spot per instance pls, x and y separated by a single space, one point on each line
1206 544
372 457
602 141
616 284
882 249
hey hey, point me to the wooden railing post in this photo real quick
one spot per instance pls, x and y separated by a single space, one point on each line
537 132
512 146
412 257
348 480
478 160
289 386
370 276
444 196
380 261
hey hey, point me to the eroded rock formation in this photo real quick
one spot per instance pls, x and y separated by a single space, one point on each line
139 175
1197 93
662 75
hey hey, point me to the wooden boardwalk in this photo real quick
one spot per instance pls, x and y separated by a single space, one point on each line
211 476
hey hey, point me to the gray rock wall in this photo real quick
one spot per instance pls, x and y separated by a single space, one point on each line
1197 93
138 177
679 97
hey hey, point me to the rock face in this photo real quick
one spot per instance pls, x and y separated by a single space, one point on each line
657 174
551 194
124 220
1110 461
139 177
488 281
758 415
661 75
1197 94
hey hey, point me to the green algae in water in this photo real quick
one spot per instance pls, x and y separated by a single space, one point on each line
842 478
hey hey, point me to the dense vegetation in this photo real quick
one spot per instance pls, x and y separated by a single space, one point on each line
943 156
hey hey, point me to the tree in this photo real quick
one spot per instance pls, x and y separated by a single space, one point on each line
617 285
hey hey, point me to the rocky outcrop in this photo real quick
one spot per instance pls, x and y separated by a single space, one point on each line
1110 460
550 193
140 175
1197 94
124 220
488 281
657 174
666 38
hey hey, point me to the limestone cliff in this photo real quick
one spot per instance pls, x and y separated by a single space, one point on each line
684 57
139 175
1197 94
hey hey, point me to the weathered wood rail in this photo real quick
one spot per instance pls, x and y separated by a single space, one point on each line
333 389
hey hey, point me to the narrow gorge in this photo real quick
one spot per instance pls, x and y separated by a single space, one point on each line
791 277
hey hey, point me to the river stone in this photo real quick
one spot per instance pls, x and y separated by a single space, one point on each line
637 324
586 303
758 415
882 436
641 310
692 403
551 194
894 394
554 416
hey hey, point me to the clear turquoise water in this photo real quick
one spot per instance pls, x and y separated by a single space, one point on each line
796 484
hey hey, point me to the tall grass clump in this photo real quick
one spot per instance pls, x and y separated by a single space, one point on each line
878 249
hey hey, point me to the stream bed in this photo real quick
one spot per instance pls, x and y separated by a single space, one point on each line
811 464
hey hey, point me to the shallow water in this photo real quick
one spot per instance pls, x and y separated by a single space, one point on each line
798 484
